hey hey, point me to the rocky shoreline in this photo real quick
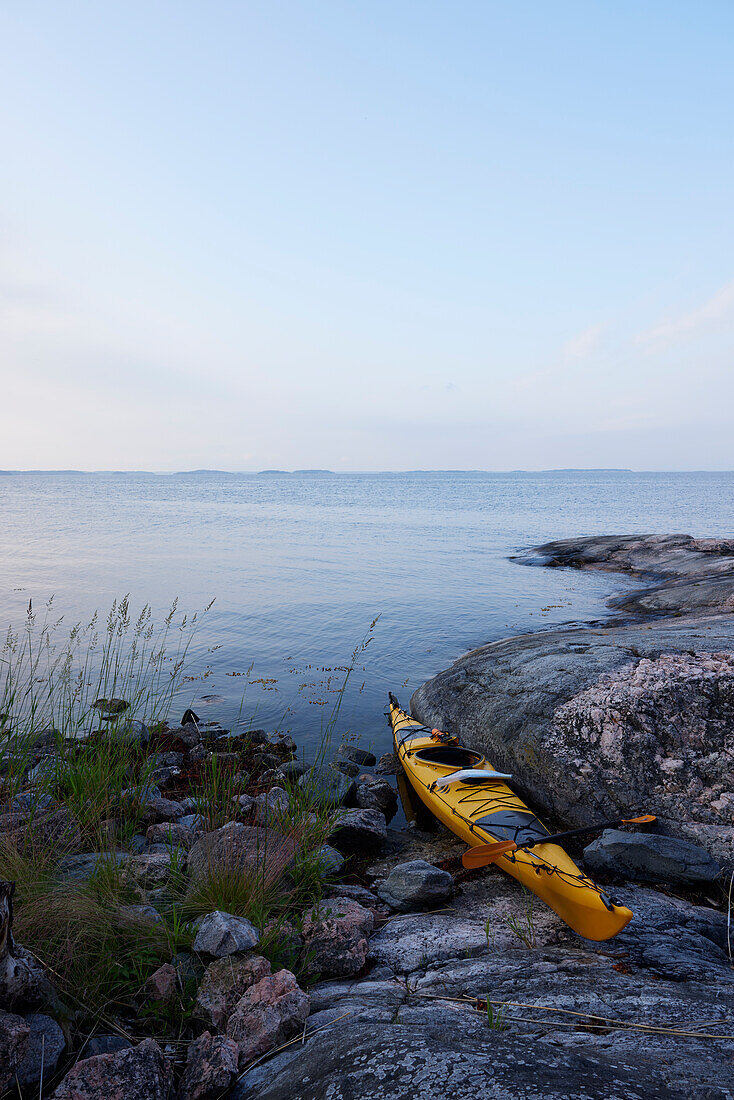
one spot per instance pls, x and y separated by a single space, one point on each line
416 977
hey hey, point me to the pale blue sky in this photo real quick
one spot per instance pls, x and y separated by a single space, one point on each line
367 235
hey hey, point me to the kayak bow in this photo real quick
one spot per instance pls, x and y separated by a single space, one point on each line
464 792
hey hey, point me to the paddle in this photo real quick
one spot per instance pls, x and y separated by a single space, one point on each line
489 853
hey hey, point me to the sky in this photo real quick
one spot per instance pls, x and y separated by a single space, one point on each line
366 235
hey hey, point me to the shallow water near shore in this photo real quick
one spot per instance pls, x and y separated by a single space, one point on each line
300 564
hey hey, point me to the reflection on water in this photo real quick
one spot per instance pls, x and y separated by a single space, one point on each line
300 565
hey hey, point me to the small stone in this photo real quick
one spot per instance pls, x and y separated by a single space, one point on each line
194 822
346 767
144 916
162 986
416 885
244 803
331 860
150 870
358 829
198 754
211 1067
224 934
134 733
270 1012
156 811
237 847
224 983
271 807
293 769
139 1072
170 833
326 785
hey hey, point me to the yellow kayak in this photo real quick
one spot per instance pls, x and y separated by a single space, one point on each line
462 790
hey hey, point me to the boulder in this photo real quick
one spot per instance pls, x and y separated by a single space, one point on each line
416 885
46 1044
222 934
236 847
80 868
15 1034
211 1067
327 785
336 936
648 857
270 1012
374 793
358 829
140 1072
224 983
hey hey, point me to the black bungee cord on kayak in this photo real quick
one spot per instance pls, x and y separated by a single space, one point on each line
539 863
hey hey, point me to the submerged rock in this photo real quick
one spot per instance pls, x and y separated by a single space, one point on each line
648 857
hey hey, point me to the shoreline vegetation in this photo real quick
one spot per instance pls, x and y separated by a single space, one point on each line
134 853
200 913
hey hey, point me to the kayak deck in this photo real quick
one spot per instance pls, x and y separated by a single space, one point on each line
464 792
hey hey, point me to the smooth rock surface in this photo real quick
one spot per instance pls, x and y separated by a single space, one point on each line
627 715
647 857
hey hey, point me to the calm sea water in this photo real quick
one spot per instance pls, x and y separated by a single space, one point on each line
301 564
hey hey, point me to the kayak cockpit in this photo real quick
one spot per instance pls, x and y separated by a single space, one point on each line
449 756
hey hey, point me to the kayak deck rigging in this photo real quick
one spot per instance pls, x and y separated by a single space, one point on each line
462 790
